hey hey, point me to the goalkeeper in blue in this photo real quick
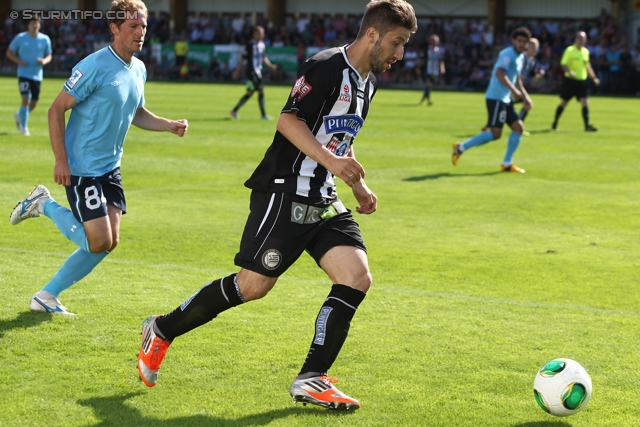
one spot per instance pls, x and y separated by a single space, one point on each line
105 94
505 82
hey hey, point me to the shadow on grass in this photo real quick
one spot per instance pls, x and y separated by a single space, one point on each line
111 411
23 321
448 175
543 424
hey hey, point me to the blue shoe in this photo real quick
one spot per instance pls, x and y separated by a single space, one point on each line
267 117
44 305
234 114
32 206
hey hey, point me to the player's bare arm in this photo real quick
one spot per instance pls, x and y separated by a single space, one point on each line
502 76
346 168
146 120
60 105
367 201
11 55
45 60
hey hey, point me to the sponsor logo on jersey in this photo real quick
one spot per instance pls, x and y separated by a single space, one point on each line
339 148
301 88
77 74
349 123
346 94
271 259
116 83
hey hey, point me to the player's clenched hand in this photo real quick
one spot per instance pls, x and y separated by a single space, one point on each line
346 168
62 173
179 127
366 199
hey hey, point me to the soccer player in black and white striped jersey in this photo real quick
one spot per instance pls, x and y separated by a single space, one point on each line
295 207
435 67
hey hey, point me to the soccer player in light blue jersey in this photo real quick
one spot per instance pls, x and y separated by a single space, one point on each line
105 94
31 50
505 82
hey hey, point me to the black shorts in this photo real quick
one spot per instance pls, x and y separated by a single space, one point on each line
282 225
28 86
500 112
254 82
89 196
571 88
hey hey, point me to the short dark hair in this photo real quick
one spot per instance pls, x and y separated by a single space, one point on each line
385 15
521 31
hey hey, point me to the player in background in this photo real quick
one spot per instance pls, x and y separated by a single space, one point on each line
31 50
253 58
531 71
295 208
435 67
105 94
506 81
577 67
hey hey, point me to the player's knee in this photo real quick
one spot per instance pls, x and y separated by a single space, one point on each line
361 281
101 244
254 286
497 133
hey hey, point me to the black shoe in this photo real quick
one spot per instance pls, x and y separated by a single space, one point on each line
590 128
554 126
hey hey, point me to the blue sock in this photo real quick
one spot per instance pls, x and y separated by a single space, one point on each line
77 266
68 225
512 146
480 139
24 115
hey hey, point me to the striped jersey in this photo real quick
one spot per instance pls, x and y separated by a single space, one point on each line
435 55
254 57
333 100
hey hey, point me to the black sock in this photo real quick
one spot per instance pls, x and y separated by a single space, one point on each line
211 300
241 102
585 116
559 111
427 93
332 327
261 103
523 114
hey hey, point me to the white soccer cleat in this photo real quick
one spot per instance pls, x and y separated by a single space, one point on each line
32 206
25 132
18 122
321 391
46 305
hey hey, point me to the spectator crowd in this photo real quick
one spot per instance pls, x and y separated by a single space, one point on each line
470 46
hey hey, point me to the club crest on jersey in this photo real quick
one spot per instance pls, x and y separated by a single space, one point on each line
301 88
74 78
346 94
271 259
339 148
349 123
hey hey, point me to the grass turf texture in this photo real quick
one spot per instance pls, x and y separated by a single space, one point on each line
480 277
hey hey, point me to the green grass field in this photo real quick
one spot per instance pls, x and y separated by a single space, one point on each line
480 277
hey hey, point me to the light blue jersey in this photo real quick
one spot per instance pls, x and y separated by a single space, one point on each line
512 62
29 49
108 92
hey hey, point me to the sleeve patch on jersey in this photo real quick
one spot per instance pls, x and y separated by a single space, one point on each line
301 88
77 74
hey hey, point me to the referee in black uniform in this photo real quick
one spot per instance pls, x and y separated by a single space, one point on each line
295 207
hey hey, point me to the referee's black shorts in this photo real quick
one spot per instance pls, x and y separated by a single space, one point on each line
571 88
281 226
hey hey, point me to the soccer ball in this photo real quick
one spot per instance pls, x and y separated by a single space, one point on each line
562 387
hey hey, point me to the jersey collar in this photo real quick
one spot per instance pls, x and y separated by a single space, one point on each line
119 58
361 81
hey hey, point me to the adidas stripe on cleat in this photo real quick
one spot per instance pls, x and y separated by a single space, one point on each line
152 352
321 391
